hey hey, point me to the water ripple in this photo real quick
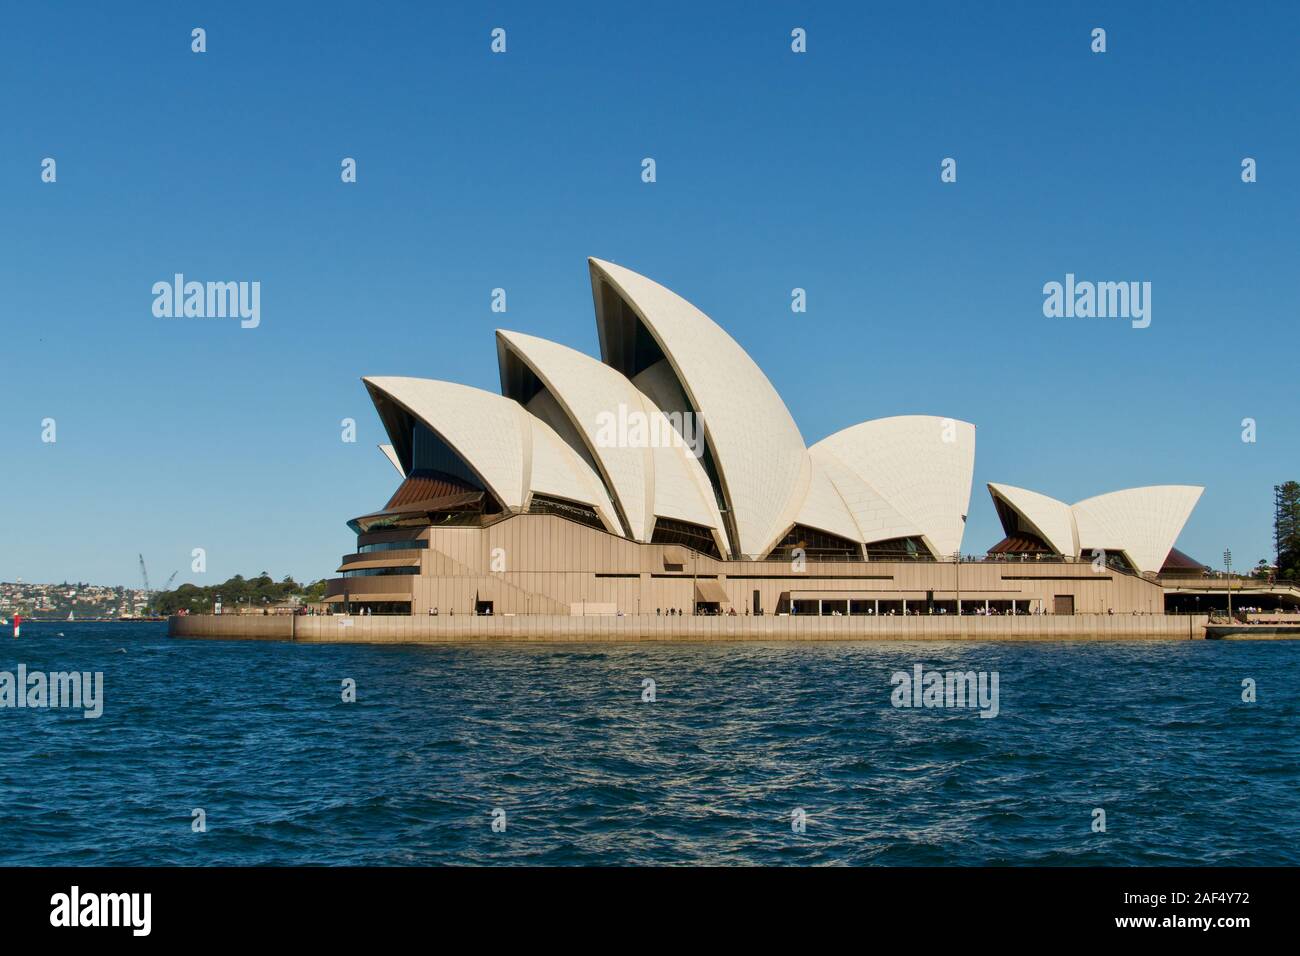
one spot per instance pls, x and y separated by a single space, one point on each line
739 738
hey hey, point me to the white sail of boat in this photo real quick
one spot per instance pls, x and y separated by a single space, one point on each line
71 616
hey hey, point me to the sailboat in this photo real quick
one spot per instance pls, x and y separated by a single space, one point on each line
71 616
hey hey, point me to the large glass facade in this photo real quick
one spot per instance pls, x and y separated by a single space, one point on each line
899 549
1115 560
412 545
815 546
379 572
694 536
583 514
380 607
431 454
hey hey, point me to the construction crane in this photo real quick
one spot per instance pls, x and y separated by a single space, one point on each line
148 591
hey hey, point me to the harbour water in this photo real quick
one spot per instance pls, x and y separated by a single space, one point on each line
560 744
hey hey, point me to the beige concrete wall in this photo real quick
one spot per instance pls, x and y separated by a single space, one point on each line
552 563
556 628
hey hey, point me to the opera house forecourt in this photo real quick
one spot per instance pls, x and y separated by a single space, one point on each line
666 483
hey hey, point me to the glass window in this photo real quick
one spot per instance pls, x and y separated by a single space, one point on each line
392 546
379 572
694 536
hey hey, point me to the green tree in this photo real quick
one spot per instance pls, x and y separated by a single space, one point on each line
255 592
1286 528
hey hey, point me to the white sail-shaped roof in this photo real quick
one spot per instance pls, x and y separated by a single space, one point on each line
560 472
550 434
511 452
920 468
756 449
567 428
491 434
682 488
824 508
585 390
875 518
607 413
683 492
1142 522
393 460
1048 518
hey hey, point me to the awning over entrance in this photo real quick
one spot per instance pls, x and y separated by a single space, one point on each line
710 591
676 555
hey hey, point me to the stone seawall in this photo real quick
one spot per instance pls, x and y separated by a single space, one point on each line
555 629
1253 632
234 627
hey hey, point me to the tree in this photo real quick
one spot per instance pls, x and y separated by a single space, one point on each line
261 590
1286 528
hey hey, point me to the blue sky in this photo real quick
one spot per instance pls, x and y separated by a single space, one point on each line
775 170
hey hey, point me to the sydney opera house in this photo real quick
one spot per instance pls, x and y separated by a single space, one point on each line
667 476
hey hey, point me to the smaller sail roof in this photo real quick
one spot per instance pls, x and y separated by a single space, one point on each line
512 453
913 476
1142 523
1048 518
